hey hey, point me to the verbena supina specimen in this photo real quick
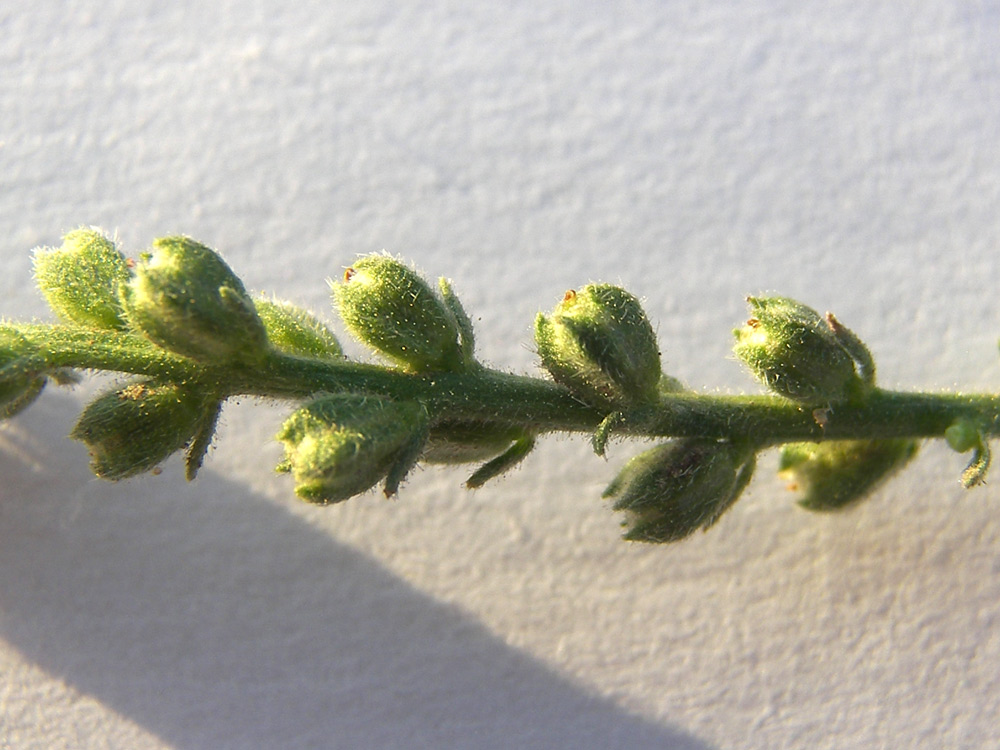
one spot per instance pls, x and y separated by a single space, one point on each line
180 324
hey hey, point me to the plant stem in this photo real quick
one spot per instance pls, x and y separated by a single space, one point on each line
537 405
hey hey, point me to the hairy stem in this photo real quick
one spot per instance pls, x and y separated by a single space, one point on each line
534 404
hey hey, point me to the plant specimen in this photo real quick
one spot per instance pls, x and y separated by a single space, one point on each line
182 327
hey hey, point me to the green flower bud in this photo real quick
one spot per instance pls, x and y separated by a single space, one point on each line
467 442
80 280
186 299
599 343
132 429
20 385
18 394
388 306
833 474
342 445
670 491
292 330
800 355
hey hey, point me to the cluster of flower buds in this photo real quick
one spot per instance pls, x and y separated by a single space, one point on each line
388 306
185 299
181 296
183 303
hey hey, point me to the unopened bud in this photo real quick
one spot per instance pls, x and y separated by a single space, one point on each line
385 304
19 384
599 343
833 474
797 353
676 488
292 330
186 299
80 280
339 446
134 428
467 442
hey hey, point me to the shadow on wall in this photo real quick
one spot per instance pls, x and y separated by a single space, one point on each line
213 618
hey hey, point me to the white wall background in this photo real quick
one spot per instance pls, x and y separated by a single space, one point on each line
844 153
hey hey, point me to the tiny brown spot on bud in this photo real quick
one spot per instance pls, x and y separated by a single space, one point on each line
753 322
570 295
349 274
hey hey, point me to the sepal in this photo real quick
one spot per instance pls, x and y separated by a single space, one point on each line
185 298
80 280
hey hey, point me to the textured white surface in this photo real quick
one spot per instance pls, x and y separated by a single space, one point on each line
841 152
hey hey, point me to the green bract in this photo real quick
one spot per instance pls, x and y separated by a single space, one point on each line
802 356
966 435
599 343
834 474
80 280
292 330
388 306
339 446
132 429
186 299
672 490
